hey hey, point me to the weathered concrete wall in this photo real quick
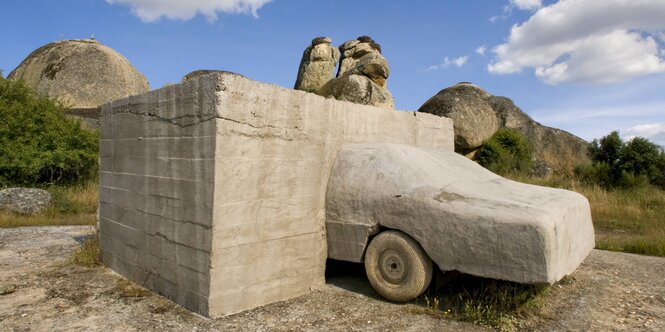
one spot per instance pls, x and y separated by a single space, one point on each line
238 170
156 190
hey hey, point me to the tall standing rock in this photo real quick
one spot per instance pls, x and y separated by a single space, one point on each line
317 66
362 75
81 73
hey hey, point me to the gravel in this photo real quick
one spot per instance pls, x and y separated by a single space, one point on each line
41 291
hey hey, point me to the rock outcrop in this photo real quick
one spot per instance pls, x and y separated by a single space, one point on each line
355 49
362 75
555 150
24 200
317 66
201 72
473 118
358 89
477 115
81 73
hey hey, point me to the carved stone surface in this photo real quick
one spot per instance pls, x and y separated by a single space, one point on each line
465 217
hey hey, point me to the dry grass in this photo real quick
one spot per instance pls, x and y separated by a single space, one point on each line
73 205
128 289
628 220
88 253
487 302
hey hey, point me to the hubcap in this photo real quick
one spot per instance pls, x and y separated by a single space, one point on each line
392 266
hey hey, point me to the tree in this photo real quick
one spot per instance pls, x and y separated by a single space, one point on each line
642 157
608 149
619 163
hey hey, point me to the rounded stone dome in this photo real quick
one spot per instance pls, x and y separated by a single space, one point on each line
467 104
80 73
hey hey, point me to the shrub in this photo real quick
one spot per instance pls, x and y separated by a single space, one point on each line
619 164
39 144
506 152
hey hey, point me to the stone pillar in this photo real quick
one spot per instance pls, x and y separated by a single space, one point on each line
317 66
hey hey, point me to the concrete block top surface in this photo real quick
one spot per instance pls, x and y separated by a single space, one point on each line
465 217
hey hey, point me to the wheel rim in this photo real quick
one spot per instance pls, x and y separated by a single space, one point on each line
392 266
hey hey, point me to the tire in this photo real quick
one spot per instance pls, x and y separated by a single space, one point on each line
397 266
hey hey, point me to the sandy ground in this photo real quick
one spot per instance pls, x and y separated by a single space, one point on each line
41 291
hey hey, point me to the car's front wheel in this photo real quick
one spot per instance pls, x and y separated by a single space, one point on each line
397 267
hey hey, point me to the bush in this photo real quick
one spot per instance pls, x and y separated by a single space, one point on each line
619 164
506 152
39 144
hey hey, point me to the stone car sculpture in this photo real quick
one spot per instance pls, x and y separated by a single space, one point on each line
404 210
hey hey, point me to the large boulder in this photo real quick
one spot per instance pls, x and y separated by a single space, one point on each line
202 72
317 66
474 120
81 73
355 49
358 89
24 200
477 115
362 75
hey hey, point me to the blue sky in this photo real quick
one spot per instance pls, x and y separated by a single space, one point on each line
585 66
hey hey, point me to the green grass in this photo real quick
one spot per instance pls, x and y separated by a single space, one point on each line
627 220
487 302
71 205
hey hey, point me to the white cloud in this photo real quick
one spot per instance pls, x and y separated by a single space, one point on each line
447 62
527 4
495 18
655 132
481 50
153 10
461 61
586 41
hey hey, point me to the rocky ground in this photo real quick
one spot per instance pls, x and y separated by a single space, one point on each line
41 291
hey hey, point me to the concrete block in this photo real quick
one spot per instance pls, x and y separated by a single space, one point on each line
224 179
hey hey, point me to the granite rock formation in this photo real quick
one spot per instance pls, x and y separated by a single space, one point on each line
362 75
355 49
317 66
473 118
81 73
555 150
24 200
477 115
201 72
